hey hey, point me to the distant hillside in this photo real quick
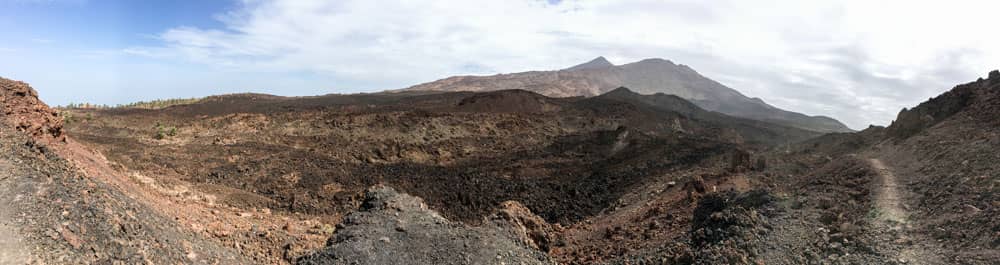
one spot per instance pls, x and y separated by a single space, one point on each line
648 76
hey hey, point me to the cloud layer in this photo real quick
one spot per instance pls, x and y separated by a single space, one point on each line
857 61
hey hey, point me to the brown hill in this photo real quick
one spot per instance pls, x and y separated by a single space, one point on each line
648 76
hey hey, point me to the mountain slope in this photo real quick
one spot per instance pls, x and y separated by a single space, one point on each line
936 185
946 149
648 76
753 131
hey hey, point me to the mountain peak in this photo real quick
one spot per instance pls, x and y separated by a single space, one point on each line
656 60
597 63
621 90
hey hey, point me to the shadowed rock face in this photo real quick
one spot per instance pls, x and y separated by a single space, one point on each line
648 76
395 228
978 98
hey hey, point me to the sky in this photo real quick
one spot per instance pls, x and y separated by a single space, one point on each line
857 61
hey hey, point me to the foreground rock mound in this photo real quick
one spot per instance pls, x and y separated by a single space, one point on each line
727 227
395 228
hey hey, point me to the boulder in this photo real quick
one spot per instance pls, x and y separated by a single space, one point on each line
396 228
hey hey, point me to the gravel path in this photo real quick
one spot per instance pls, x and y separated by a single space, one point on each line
893 217
12 245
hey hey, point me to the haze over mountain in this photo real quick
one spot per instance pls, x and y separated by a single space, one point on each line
649 76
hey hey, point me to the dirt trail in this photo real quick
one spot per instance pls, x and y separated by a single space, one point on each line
887 198
12 246
891 215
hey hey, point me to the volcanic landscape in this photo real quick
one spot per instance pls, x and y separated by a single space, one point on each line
643 163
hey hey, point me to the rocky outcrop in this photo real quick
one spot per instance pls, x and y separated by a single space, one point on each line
395 228
23 110
912 121
728 228
526 226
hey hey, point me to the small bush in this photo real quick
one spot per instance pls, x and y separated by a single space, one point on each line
164 131
67 117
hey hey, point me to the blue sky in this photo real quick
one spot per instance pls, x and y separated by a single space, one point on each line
105 23
68 50
839 58
72 51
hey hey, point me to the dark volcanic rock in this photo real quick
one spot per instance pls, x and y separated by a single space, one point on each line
394 228
507 101
728 227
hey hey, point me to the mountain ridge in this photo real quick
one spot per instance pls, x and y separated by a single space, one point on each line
647 76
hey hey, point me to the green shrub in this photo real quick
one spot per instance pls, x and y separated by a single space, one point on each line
164 131
67 117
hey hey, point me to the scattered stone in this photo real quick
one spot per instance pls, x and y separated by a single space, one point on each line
70 237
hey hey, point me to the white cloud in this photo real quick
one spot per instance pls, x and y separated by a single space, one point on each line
858 61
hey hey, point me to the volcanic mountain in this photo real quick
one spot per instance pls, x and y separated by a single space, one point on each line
649 76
